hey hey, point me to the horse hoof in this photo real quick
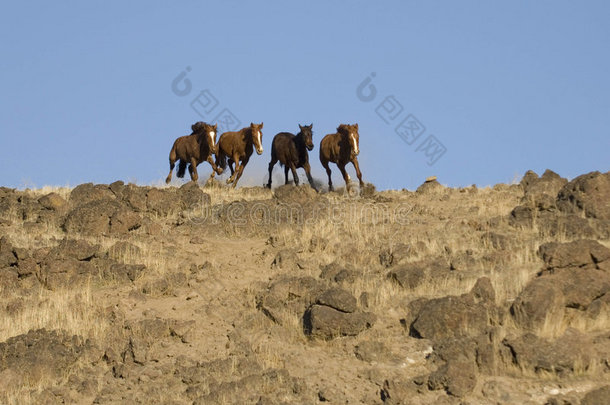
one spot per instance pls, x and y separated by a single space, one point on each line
219 171
168 180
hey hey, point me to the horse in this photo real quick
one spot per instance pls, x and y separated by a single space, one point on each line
341 148
193 149
237 147
291 151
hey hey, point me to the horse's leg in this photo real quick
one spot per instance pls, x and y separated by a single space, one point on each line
295 176
193 170
330 181
271 164
231 161
345 175
308 173
172 164
358 173
286 168
215 168
240 171
234 172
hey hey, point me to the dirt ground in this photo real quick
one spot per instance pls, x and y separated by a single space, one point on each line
197 294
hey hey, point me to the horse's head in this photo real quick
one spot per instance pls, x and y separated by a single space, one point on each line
212 131
257 137
351 132
307 135
207 133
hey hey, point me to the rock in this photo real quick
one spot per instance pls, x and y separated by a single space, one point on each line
457 378
585 254
66 271
289 194
7 254
91 218
528 178
101 217
338 273
571 353
162 202
124 221
589 193
522 216
597 396
549 184
78 249
409 276
134 197
397 254
467 315
192 196
328 323
430 187
568 226
41 354
339 299
88 192
540 303
53 201
372 351
430 179
289 294
576 276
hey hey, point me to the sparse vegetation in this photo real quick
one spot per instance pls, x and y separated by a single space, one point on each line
209 294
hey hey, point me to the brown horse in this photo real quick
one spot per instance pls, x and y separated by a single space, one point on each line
291 151
238 147
193 149
341 148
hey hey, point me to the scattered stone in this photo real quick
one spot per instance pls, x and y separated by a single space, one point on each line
53 201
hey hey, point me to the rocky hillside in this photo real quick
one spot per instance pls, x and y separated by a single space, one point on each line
207 295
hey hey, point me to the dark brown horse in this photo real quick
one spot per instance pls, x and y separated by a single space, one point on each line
291 151
193 149
341 148
238 147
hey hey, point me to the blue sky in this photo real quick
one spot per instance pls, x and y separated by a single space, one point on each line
86 87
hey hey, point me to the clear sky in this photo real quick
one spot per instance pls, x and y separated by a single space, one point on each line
86 87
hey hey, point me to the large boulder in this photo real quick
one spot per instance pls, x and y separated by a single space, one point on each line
53 201
576 276
589 193
324 322
583 253
88 192
548 184
335 313
597 396
572 353
41 354
289 295
289 194
101 217
470 314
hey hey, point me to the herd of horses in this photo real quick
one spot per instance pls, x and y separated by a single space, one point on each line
236 148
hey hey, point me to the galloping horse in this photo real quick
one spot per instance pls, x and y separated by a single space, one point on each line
238 147
193 149
291 151
341 148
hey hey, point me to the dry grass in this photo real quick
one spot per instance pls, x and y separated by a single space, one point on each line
74 311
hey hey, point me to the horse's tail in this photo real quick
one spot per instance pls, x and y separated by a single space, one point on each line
181 168
221 158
